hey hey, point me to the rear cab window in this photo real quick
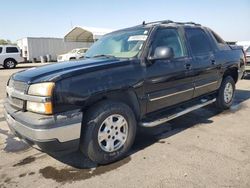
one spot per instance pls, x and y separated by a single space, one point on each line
221 44
198 41
12 50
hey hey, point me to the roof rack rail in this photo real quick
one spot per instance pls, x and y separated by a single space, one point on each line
160 22
188 23
170 21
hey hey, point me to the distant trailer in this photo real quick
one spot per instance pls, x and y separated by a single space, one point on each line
33 48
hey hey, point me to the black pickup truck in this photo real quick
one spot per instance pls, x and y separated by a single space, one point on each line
140 76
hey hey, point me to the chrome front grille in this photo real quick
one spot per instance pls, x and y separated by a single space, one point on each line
20 87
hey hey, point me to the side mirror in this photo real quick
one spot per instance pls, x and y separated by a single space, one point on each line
162 52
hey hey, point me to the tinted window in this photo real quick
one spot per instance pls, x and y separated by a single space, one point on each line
169 38
11 50
1 49
198 41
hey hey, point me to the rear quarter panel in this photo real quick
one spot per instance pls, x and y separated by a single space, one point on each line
232 58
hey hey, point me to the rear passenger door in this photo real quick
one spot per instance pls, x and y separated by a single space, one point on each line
13 52
204 63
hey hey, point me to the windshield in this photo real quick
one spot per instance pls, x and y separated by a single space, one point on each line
248 50
121 44
82 51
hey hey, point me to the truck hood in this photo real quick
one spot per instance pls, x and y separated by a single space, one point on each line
57 71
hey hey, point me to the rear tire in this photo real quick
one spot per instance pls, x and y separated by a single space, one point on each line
226 93
9 64
108 132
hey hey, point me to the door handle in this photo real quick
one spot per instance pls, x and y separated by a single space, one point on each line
188 66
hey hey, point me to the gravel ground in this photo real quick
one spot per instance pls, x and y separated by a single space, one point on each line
202 149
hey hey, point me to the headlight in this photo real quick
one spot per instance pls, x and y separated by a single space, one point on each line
42 108
41 89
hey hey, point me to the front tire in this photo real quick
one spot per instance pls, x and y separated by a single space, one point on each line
226 93
109 130
9 64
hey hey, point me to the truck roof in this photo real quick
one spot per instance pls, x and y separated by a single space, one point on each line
170 22
163 22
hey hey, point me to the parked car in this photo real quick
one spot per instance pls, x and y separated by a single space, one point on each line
10 56
72 55
248 60
140 76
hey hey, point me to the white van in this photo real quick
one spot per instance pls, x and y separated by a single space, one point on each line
10 55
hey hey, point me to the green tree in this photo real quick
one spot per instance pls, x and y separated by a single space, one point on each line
3 42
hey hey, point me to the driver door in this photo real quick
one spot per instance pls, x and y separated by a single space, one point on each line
169 81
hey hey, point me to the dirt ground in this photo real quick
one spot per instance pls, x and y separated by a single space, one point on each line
205 148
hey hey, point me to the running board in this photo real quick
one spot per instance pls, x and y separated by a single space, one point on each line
173 116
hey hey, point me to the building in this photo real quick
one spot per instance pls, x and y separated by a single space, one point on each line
85 34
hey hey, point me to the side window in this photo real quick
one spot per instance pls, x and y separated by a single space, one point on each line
169 38
11 50
1 49
198 41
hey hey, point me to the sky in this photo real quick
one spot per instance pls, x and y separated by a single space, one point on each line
54 18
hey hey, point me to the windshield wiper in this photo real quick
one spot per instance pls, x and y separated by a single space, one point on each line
104 55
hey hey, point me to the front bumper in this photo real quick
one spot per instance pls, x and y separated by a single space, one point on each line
56 133
248 59
247 67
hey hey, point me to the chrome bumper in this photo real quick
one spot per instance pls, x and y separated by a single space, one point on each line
62 133
247 68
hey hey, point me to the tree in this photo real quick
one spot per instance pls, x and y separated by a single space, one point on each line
3 42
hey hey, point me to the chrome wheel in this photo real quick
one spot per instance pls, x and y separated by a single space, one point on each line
228 93
113 133
10 64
